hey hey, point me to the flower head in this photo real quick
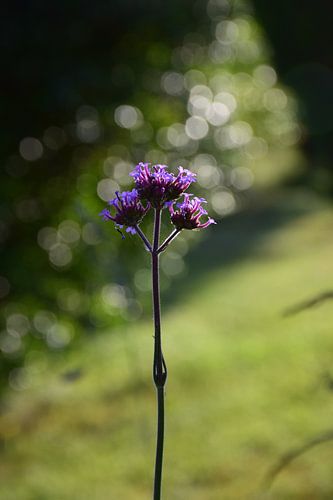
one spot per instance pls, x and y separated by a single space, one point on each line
156 185
129 210
187 214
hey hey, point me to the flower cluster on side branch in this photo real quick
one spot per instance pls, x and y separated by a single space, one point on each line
128 210
188 214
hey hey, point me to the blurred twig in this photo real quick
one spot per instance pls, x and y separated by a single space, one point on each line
291 455
307 304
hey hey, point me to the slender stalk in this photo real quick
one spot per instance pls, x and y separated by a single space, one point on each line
159 367
168 240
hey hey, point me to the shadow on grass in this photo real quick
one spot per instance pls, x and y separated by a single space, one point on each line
235 238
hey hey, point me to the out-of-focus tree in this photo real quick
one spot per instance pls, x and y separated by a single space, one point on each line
93 89
302 38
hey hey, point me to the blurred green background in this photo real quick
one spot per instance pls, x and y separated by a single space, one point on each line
241 93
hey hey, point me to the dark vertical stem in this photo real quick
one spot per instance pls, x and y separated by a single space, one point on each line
159 367
159 444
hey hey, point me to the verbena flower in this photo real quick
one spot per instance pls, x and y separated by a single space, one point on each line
160 190
129 210
188 214
156 185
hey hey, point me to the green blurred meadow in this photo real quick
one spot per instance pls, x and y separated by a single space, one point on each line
246 381
240 93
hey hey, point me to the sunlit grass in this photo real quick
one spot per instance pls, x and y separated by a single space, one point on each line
246 383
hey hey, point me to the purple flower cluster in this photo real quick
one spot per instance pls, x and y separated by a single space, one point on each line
156 185
188 214
129 210
157 188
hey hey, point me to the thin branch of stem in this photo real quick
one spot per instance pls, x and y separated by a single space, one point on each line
159 367
168 240
144 238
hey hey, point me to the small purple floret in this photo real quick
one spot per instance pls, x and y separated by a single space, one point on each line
129 210
187 214
158 186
